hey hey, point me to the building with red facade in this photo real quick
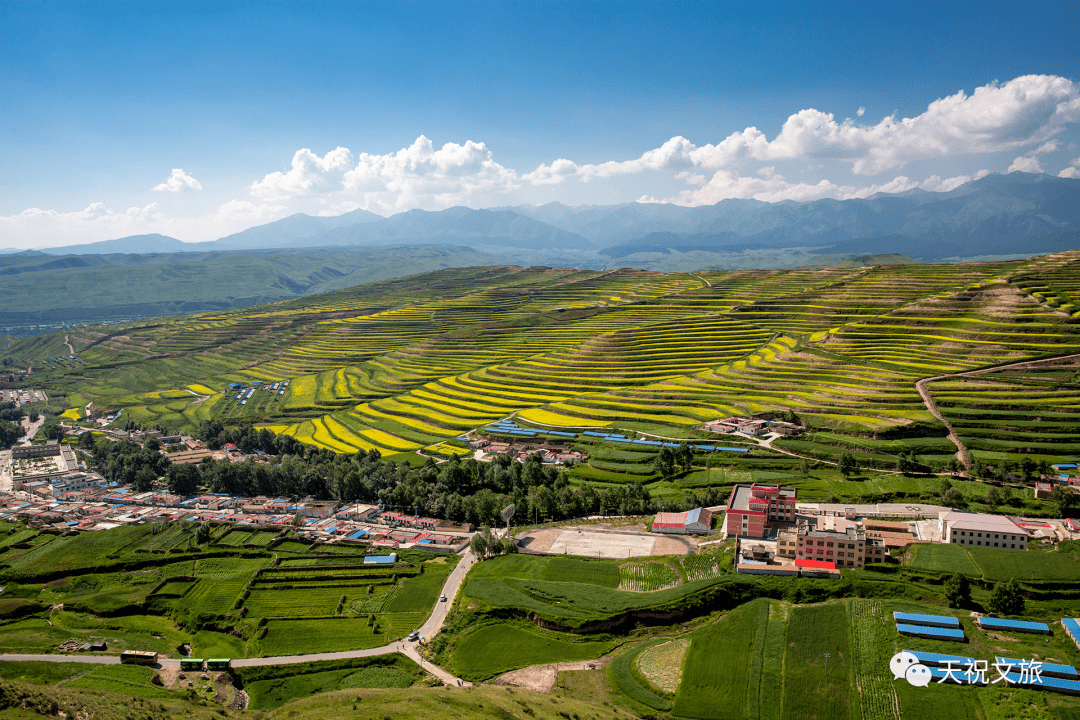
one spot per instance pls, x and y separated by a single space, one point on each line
751 509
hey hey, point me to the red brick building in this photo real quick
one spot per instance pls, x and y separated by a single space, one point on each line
752 508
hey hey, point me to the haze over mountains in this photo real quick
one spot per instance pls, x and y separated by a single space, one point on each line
995 215
1017 214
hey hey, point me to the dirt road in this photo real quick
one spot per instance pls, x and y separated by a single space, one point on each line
928 400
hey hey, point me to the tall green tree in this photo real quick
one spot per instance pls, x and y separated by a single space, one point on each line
1066 501
958 591
1007 599
847 464
954 498
664 463
685 457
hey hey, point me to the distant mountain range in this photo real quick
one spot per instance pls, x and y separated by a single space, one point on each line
1012 214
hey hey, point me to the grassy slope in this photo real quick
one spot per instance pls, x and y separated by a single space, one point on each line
129 604
495 649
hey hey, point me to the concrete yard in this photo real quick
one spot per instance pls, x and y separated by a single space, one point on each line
603 544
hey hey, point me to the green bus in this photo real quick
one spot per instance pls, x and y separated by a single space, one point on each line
218 664
195 664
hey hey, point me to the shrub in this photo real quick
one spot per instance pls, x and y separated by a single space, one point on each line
1007 599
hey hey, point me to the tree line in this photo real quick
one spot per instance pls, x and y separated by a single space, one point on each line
458 490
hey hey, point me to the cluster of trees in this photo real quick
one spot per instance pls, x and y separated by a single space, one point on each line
669 462
125 462
286 475
247 438
995 496
1005 599
459 490
1026 467
485 545
10 431
1066 500
909 464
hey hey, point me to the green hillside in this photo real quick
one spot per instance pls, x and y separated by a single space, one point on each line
408 364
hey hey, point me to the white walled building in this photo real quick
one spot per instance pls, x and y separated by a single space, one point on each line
960 528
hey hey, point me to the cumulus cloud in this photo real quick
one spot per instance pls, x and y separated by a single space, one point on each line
994 118
1025 163
35 227
309 174
178 181
421 176
1022 113
1073 171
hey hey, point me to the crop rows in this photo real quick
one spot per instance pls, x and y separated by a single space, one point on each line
699 567
867 626
647 576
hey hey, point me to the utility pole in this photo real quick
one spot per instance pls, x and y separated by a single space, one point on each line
826 663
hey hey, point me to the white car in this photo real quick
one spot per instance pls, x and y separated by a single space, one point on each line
442 598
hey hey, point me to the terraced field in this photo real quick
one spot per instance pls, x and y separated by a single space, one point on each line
412 363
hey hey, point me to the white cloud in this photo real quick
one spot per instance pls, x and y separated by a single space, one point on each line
340 208
1025 163
1069 172
1021 113
178 181
35 227
247 211
774 188
309 174
421 176
994 118
861 111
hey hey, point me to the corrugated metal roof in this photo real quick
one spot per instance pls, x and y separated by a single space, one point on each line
1018 625
920 619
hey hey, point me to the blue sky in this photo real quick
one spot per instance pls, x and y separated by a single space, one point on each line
242 113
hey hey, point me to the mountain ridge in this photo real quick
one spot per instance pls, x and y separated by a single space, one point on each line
1003 213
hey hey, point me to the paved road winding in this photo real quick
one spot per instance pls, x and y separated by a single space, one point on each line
429 629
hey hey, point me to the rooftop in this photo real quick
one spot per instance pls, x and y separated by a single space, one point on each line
981 522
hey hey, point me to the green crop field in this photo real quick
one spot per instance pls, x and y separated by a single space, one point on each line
495 649
144 595
621 675
1028 565
647 576
416 366
513 581
273 686
124 679
996 564
943 558
406 364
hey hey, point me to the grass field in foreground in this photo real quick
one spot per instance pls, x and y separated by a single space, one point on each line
495 649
